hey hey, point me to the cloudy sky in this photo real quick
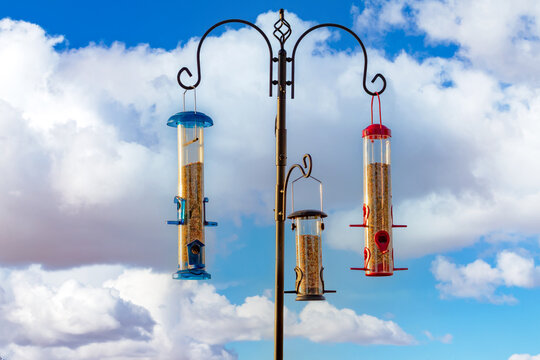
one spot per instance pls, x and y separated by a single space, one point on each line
88 174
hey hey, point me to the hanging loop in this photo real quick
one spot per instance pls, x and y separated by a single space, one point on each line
320 190
194 99
380 112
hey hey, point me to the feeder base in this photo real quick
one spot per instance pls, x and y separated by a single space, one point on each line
309 298
191 274
379 273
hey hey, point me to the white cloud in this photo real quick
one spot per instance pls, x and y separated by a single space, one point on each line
445 339
344 325
517 270
454 160
377 16
524 357
122 313
216 321
92 164
480 281
501 36
70 315
71 170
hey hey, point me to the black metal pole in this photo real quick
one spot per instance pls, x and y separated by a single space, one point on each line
281 163
282 31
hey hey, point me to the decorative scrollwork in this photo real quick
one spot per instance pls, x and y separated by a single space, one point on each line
185 69
282 29
282 32
308 164
299 278
377 76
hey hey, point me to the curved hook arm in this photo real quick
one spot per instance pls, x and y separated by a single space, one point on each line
308 164
188 87
378 75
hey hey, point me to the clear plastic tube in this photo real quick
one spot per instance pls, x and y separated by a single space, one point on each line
378 252
309 255
191 191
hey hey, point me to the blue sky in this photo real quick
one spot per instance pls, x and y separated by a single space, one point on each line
89 172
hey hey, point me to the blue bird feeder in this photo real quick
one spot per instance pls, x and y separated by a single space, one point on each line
190 201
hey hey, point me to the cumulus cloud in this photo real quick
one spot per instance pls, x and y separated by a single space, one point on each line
137 313
36 313
511 46
344 325
510 49
454 173
87 143
71 171
480 281
91 163
216 321
92 168
481 190
377 17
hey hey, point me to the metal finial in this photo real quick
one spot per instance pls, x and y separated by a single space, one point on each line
282 29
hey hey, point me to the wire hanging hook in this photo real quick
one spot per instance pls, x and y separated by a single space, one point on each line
194 99
307 177
380 112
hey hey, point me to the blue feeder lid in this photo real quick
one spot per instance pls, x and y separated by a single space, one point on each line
190 119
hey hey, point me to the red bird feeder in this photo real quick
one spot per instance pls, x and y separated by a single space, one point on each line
378 218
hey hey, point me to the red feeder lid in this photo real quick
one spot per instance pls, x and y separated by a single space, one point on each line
377 131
